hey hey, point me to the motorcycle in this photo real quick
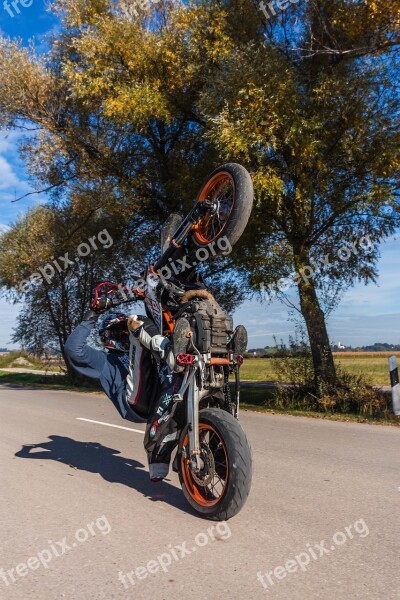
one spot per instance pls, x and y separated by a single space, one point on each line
213 458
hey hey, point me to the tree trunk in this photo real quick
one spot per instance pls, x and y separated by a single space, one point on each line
324 366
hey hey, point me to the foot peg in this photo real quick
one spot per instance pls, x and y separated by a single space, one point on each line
185 359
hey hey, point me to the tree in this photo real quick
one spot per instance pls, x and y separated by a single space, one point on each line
305 107
102 144
54 270
141 109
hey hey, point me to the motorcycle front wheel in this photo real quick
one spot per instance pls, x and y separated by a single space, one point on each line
228 194
220 490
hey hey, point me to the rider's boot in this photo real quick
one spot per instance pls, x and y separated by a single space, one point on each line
166 349
161 431
180 342
238 343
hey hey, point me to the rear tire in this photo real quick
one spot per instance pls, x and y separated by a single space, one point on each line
232 465
233 184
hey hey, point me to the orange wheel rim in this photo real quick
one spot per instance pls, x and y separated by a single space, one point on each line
212 493
221 190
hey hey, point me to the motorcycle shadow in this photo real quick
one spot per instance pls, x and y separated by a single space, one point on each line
107 462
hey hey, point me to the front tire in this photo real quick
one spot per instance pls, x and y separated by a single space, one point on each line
230 188
221 489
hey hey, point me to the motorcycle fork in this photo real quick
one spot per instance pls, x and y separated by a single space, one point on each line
193 402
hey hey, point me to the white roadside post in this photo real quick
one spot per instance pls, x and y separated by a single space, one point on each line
394 380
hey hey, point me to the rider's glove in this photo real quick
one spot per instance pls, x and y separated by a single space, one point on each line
100 306
90 315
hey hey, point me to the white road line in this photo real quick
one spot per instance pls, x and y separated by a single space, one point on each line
110 425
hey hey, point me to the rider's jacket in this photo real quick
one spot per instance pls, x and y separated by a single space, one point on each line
111 369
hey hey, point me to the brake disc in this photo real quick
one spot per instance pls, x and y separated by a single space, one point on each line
205 476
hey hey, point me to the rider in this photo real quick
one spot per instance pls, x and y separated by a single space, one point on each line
135 362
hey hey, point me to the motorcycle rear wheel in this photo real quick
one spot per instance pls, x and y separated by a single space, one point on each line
230 190
221 489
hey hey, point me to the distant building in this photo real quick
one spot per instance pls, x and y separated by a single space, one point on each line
338 347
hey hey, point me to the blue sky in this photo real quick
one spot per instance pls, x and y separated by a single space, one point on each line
366 314
33 21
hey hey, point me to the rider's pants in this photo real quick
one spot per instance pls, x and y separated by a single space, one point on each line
153 391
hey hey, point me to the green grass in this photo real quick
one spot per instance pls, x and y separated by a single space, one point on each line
57 382
261 399
252 398
258 369
373 366
7 360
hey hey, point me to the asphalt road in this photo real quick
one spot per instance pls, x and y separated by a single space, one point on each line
78 513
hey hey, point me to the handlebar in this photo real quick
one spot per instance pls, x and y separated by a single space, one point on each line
108 295
106 303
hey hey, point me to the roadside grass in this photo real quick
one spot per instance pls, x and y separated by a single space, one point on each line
373 366
7 360
56 382
253 399
264 400
258 369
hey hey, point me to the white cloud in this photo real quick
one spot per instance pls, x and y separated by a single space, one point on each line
9 160
8 321
8 141
13 182
7 176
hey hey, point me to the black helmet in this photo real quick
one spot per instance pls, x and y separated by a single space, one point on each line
114 333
